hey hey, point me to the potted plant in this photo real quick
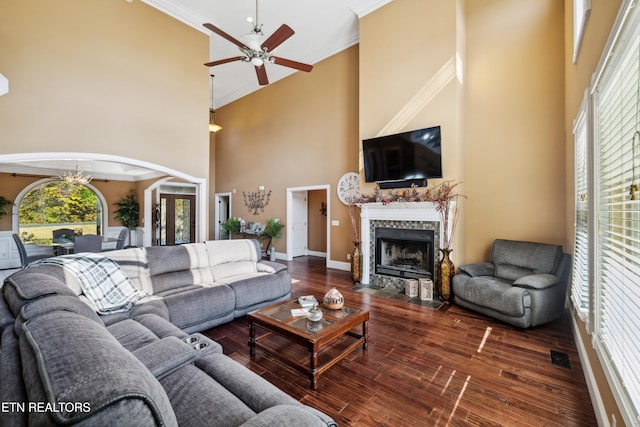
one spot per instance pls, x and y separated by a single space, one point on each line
273 231
128 213
3 206
231 226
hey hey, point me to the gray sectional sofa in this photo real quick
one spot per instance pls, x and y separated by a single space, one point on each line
131 353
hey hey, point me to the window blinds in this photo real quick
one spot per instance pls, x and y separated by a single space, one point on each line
617 253
580 279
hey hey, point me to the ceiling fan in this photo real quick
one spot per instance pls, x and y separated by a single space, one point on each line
258 50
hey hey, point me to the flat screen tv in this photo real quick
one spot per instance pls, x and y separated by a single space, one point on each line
408 156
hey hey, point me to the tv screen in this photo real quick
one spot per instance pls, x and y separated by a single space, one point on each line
408 155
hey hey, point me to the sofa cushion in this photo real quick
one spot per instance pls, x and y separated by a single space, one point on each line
133 261
252 289
58 303
107 379
229 258
30 284
199 400
256 392
288 416
131 334
479 269
12 389
199 305
107 287
514 259
496 294
537 281
173 267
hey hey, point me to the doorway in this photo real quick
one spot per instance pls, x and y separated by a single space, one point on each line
307 227
222 213
177 219
299 224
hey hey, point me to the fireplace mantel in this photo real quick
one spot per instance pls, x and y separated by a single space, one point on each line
403 215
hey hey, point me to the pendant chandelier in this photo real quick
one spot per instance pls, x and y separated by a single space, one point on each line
213 126
75 178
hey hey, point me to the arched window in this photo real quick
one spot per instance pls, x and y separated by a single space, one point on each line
57 204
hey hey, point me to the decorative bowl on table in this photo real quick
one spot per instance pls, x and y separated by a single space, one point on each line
333 299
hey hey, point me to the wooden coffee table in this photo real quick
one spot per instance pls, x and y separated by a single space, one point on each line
316 337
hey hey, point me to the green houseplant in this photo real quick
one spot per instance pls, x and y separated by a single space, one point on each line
128 212
231 226
3 206
273 231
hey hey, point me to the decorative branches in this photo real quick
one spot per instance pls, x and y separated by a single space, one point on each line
442 196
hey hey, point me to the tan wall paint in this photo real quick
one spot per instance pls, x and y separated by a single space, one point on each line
578 79
107 77
513 129
398 64
300 131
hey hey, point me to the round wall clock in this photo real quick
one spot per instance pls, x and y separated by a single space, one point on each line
349 187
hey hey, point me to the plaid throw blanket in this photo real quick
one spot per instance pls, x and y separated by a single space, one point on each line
104 284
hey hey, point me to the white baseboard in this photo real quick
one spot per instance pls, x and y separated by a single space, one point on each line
339 265
318 254
592 385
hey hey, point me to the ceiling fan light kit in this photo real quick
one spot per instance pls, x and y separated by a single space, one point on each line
257 50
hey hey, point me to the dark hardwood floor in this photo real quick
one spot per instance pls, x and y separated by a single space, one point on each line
426 367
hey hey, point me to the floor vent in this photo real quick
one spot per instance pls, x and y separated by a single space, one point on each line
559 358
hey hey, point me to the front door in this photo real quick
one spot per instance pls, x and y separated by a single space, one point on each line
177 219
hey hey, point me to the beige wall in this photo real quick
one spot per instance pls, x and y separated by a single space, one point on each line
106 77
578 79
408 79
514 124
507 99
301 131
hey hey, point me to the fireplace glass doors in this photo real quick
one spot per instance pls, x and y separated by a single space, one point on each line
404 253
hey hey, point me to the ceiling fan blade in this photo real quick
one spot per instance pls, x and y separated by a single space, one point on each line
292 64
224 61
222 34
277 38
261 72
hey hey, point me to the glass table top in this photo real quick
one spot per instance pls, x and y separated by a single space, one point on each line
283 313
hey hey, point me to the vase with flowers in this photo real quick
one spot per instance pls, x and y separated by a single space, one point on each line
445 197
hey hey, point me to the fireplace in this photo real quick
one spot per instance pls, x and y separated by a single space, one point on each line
404 253
410 232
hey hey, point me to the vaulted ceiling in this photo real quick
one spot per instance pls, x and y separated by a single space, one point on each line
322 29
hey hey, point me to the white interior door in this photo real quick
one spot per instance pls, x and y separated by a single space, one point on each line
222 212
299 224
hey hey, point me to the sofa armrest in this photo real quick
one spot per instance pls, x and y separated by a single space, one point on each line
289 415
170 353
265 266
537 281
479 269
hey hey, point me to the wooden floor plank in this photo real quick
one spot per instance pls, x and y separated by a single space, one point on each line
426 367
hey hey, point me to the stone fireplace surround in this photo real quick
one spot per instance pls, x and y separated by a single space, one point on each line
399 215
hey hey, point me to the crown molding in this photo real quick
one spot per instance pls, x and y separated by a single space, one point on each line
364 7
180 13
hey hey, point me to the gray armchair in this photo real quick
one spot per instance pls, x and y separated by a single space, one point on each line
524 284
